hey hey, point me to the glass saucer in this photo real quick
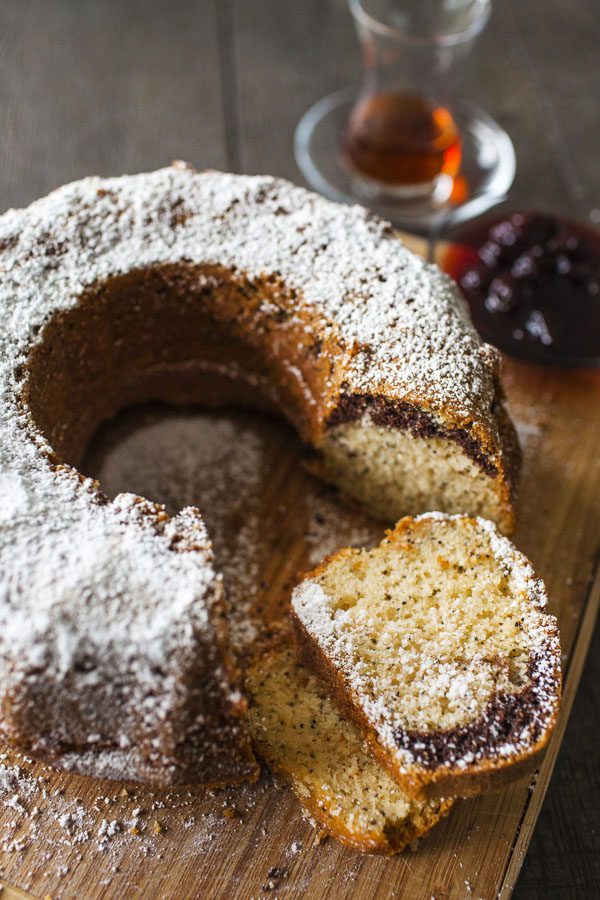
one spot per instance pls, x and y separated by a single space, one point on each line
488 167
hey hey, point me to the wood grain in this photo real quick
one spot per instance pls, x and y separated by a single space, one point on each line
96 88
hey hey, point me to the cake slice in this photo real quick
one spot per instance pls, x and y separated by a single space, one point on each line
437 645
300 733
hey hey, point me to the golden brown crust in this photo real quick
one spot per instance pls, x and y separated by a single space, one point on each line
488 774
423 783
149 326
388 843
317 806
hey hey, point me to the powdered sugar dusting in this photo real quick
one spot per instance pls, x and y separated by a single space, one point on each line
405 319
124 826
514 563
110 600
213 459
451 684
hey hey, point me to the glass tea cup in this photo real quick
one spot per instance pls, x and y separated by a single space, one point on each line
402 138
408 144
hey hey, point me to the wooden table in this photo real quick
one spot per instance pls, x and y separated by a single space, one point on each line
107 87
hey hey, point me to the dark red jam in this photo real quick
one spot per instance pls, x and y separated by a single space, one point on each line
532 281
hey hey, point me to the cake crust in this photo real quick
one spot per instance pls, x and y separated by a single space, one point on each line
301 736
118 290
502 742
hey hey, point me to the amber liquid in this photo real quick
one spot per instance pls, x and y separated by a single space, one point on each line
402 139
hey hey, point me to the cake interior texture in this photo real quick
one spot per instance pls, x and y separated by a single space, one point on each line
300 732
117 291
393 473
198 335
438 637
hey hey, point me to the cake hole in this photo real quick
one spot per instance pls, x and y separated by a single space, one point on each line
345 603
175 333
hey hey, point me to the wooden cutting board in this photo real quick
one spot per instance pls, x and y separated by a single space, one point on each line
64 836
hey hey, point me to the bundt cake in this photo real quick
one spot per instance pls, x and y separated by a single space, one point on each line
113 647
436 644
300 733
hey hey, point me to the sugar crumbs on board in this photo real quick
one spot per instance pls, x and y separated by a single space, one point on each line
62 828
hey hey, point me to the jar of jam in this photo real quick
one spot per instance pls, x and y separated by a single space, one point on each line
532 281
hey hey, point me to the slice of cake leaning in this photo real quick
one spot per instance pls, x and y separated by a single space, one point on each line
301 734
437 645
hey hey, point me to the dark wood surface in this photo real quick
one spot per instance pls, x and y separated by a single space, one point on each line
107 87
